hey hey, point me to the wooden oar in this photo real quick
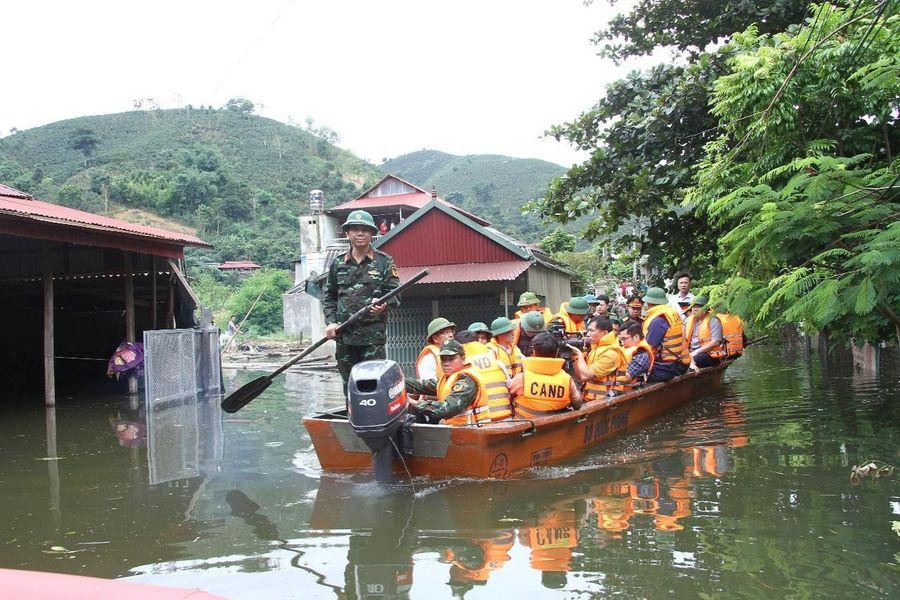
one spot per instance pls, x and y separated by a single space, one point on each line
755 340
247 392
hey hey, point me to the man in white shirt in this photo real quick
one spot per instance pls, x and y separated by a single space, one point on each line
682 300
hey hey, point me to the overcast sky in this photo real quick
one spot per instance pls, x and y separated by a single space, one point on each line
391 77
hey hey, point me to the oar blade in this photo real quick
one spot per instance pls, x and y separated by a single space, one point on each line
244 394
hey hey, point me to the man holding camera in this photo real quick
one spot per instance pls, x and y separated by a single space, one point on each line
598 370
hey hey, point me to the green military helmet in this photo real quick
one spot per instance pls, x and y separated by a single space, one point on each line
479 326
360 217
437 325
655 295
700 301
533 322
451 348
502 325
578 306
527 299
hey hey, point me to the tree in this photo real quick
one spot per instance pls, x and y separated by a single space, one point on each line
803 169
690 26
84 140
242 106
646 136
267 285
558 241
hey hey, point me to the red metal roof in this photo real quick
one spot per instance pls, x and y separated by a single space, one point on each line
495 271
239 264
19 204
415 201
438 238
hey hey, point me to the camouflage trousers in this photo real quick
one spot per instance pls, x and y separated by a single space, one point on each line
347 356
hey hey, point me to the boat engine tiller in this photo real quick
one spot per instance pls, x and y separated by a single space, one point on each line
376 401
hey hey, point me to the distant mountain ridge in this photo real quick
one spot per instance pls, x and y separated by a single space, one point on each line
239 179
493 186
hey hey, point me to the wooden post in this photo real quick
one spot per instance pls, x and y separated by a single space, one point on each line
170 310
53 467
153 298
129 313
49 352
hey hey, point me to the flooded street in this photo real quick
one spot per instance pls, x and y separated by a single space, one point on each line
745 493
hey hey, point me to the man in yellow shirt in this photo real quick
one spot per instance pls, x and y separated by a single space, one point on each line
601 364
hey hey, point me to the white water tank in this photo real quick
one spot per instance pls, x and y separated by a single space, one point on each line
316 202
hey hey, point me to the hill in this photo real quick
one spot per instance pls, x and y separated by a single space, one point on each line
492 186
238 179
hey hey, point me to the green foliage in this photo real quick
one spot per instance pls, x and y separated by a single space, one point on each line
689 26
239 179
558 241
84 140
265 288
213 293
491 186
806 187
647 134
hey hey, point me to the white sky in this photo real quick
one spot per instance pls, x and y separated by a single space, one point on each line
390 76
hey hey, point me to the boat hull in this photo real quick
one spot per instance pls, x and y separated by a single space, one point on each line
500 449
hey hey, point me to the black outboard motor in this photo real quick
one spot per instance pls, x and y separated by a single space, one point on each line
377 408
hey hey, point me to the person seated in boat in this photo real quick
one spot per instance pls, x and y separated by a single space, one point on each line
604 371
544 388
470 390
482 331
572 315
529 325
503 346
664 331
638 353
428 364
704 331
634 308
529 302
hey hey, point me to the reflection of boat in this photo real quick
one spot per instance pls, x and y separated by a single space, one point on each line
471 528
499 449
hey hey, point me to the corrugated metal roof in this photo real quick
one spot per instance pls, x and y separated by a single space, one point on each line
495 271
239 264
19 204
415 201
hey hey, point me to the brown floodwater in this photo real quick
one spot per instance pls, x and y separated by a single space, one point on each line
744 493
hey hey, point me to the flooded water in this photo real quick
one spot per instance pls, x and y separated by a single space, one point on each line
745 493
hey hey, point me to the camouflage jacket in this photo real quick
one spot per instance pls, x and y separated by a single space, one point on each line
463 394
350 286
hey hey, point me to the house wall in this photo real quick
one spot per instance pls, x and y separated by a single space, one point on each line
556 287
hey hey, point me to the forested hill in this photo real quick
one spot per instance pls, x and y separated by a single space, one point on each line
492 186
240 180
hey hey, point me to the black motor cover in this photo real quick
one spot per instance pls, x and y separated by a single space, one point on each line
376 399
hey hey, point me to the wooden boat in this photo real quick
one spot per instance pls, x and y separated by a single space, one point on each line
498 450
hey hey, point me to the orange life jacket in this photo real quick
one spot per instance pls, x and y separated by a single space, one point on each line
433 350
511 360
642 345
674 346
733 331
703 334
569 323
546 388
492 402
597 388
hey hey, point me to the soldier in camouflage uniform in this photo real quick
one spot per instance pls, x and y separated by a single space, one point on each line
463 394
354 280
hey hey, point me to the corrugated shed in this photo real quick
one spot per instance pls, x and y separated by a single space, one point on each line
435 238
18 204
493 271
238 264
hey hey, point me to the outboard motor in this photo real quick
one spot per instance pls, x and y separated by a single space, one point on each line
377 409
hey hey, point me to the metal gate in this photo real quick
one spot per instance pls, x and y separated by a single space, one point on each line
183 385
181 364
407 326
